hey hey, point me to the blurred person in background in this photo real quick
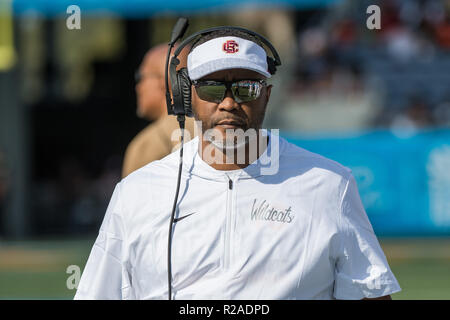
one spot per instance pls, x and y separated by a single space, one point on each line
155 141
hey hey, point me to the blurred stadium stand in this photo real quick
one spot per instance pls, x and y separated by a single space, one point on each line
406 61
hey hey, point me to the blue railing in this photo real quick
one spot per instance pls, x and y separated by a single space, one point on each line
142 8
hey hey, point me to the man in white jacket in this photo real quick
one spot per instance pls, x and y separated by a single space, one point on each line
278 223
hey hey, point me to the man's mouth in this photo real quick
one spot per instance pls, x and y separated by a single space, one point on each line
230 124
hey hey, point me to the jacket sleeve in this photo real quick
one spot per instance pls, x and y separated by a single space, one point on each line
106 275
362 270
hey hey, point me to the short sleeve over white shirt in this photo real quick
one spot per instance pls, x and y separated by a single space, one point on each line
361 268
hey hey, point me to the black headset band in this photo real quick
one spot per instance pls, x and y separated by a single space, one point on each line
191 38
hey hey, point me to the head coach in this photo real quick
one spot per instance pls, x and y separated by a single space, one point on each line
234 230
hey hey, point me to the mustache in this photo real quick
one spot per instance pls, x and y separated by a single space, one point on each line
238 120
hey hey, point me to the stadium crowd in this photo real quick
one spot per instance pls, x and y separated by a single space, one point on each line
405 62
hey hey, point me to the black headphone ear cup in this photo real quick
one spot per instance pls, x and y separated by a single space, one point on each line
185 87
271 65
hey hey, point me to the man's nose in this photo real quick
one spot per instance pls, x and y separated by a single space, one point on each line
228 102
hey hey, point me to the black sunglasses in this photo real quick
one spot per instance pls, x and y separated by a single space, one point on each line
242 90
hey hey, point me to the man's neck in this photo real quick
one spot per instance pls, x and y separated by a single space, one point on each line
232 158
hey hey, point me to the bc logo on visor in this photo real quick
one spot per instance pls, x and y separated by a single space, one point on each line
231 46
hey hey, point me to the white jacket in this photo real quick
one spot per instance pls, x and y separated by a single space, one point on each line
299 234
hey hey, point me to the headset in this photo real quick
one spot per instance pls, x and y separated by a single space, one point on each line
180 103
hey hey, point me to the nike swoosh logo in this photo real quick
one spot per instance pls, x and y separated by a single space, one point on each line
181 218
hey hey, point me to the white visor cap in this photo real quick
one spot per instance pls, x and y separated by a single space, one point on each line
226 53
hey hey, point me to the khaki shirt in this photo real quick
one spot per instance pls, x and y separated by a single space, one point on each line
154 143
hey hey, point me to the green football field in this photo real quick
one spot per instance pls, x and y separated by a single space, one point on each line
37 269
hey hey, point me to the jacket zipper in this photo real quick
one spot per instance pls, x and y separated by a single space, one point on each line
229 216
